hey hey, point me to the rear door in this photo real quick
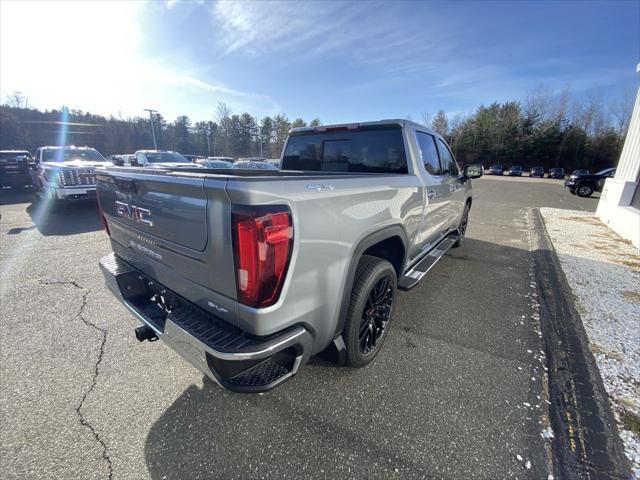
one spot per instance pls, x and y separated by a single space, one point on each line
436 190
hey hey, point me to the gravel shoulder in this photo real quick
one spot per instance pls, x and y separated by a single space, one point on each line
603 271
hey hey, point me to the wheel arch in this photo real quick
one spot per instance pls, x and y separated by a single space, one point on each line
382 244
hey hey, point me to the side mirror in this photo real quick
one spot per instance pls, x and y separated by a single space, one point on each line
473 171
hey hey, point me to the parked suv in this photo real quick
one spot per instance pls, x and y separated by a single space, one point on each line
15 168
66 173
584 185
248 273
556 173
536 172
515 171
496 170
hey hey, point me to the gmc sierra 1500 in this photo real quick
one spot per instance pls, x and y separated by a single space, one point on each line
247 274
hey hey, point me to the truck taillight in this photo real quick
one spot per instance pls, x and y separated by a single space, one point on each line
262 243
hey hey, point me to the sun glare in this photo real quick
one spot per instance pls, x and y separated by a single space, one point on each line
80 53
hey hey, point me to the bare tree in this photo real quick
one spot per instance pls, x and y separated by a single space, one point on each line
17 100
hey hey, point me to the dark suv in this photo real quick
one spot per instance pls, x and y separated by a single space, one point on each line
584 185
556 173
515 171
496 170
537 172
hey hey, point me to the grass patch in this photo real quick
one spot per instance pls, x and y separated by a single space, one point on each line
631 421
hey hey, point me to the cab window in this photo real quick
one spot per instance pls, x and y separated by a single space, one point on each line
449 164
428 152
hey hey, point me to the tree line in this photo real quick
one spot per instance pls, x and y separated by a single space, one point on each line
544 129
229 134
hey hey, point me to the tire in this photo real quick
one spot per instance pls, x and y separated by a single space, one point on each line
462 227
584 190
365 329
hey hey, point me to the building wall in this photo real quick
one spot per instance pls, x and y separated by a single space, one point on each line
618 205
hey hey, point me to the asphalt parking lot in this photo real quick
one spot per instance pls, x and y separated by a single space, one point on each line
457 392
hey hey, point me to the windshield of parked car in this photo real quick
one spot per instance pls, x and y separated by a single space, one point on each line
66 154
379 150
165 157
605 171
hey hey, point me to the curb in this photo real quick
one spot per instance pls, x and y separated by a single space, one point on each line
586 444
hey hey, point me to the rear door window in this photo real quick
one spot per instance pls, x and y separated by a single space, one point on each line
365 150
428 152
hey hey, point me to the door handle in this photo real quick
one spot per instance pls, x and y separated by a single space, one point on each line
432 194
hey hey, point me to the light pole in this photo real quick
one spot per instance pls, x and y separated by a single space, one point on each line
153 131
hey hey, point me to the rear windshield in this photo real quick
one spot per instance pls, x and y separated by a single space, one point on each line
369 151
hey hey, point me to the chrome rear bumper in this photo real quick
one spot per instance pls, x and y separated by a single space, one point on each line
232 358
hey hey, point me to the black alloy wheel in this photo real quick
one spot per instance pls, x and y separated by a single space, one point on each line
370 310
375 315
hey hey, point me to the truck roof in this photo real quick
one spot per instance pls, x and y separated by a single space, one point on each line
353 126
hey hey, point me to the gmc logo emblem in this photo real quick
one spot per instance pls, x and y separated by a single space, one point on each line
137 214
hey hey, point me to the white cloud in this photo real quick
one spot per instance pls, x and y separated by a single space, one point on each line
87 55
374 34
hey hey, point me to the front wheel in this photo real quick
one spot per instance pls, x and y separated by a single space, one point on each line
370 309
584 190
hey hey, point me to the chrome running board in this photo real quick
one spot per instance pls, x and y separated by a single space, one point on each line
413 276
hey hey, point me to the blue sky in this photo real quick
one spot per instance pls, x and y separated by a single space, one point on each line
339 61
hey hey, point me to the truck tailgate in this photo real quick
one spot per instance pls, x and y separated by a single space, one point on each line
168 207
175 230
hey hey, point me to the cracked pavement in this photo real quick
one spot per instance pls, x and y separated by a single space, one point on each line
81 398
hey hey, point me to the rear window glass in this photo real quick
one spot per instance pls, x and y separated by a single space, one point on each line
369 151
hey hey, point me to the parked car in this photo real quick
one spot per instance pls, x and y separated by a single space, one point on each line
556 173
580 171
221 159
584 185
515 171
496 170
120 160
537 172
15 168
273 161
195 158
63 173
259 272
248 164
161 159
208 163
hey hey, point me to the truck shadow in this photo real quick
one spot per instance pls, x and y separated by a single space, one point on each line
71 219
404 416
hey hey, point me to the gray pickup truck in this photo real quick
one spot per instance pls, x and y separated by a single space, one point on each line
247 274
